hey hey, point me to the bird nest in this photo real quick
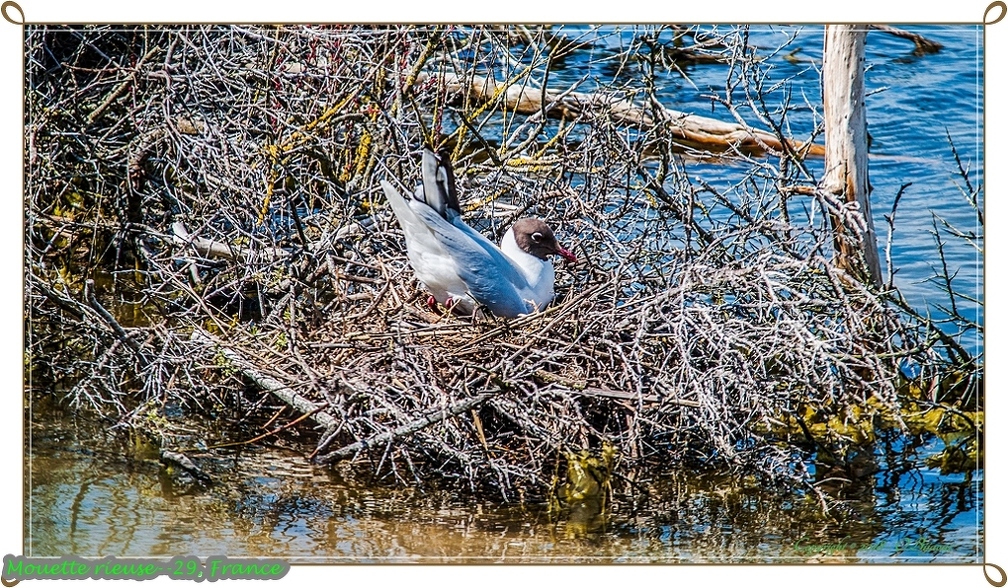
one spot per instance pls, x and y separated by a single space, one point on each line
228 208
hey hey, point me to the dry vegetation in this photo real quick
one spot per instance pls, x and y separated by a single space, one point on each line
220 186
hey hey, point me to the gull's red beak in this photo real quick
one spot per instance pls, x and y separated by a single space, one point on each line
565 254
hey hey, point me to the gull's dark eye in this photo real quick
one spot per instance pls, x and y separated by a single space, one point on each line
536 237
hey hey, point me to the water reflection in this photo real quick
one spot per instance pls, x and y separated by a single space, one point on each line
88 500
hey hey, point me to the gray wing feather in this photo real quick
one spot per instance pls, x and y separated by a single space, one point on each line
488 273
491 278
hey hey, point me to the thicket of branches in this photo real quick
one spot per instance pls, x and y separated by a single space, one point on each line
220 186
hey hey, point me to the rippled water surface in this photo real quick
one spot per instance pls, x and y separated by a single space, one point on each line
86 499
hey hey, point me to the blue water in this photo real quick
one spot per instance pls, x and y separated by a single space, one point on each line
912 103
916 104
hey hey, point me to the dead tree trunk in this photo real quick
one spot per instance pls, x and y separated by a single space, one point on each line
846 178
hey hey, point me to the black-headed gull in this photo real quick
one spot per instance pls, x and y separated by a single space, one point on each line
463 269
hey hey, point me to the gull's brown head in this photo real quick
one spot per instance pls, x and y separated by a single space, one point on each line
534 237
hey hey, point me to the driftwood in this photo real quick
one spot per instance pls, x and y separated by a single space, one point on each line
271 385
580 389
404 431
922 45
183 461
216 249
846 176
689 129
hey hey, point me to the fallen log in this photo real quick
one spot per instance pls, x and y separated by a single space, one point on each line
271 385
404 431
687 129
211 249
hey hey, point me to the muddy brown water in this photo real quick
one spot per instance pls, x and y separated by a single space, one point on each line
83 497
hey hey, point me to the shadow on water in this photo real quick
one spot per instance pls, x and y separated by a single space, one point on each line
86 498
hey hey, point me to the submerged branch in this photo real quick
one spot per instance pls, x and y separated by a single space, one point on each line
922 45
